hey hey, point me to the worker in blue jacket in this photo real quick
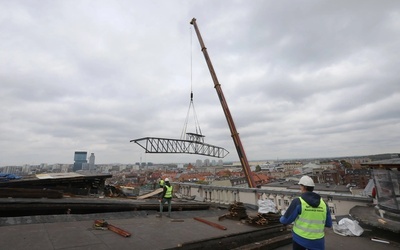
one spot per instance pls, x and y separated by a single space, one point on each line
310 215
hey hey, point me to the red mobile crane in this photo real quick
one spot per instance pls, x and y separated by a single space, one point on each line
229 119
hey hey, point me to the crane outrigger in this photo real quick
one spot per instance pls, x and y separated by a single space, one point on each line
229 119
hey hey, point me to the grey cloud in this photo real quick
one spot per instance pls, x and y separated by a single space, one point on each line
301 79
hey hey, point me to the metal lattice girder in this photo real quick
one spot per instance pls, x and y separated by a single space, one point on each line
176 146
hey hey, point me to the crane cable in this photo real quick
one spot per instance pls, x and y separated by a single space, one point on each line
191 104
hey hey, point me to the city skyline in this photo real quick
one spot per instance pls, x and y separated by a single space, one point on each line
302 80
217 161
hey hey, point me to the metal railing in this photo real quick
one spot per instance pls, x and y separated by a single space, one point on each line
339 203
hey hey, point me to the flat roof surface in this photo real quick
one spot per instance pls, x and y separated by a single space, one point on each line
147 232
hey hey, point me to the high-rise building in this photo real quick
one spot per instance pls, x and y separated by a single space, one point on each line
91 161
80 160
199 163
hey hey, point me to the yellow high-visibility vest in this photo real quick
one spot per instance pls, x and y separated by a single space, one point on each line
168 194
310 223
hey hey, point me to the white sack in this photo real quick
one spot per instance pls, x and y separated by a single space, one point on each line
347 227
266 206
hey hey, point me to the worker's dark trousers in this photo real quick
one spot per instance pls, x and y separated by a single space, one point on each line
168 200
297 246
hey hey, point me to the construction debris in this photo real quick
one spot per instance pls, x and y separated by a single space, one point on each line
376 239
264 219
382 221
103 225
237 211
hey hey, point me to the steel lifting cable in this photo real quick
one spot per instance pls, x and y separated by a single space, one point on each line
191 104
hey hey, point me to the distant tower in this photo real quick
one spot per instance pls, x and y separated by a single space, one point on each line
80 160
91 162
199 163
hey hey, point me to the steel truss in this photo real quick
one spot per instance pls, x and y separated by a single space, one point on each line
177 146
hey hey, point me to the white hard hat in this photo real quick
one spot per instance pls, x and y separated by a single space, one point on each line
306 181
166 179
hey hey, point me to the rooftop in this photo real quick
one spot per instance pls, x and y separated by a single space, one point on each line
181 231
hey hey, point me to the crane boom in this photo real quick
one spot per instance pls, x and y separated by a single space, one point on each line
229 119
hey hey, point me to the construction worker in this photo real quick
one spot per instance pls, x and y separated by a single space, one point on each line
161 183
310 215
166 196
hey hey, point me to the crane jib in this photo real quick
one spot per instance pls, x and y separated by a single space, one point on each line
228 116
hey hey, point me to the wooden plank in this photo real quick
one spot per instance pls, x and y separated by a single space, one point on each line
210 223
157 191
104 224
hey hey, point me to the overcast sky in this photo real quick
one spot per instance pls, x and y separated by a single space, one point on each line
302 79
